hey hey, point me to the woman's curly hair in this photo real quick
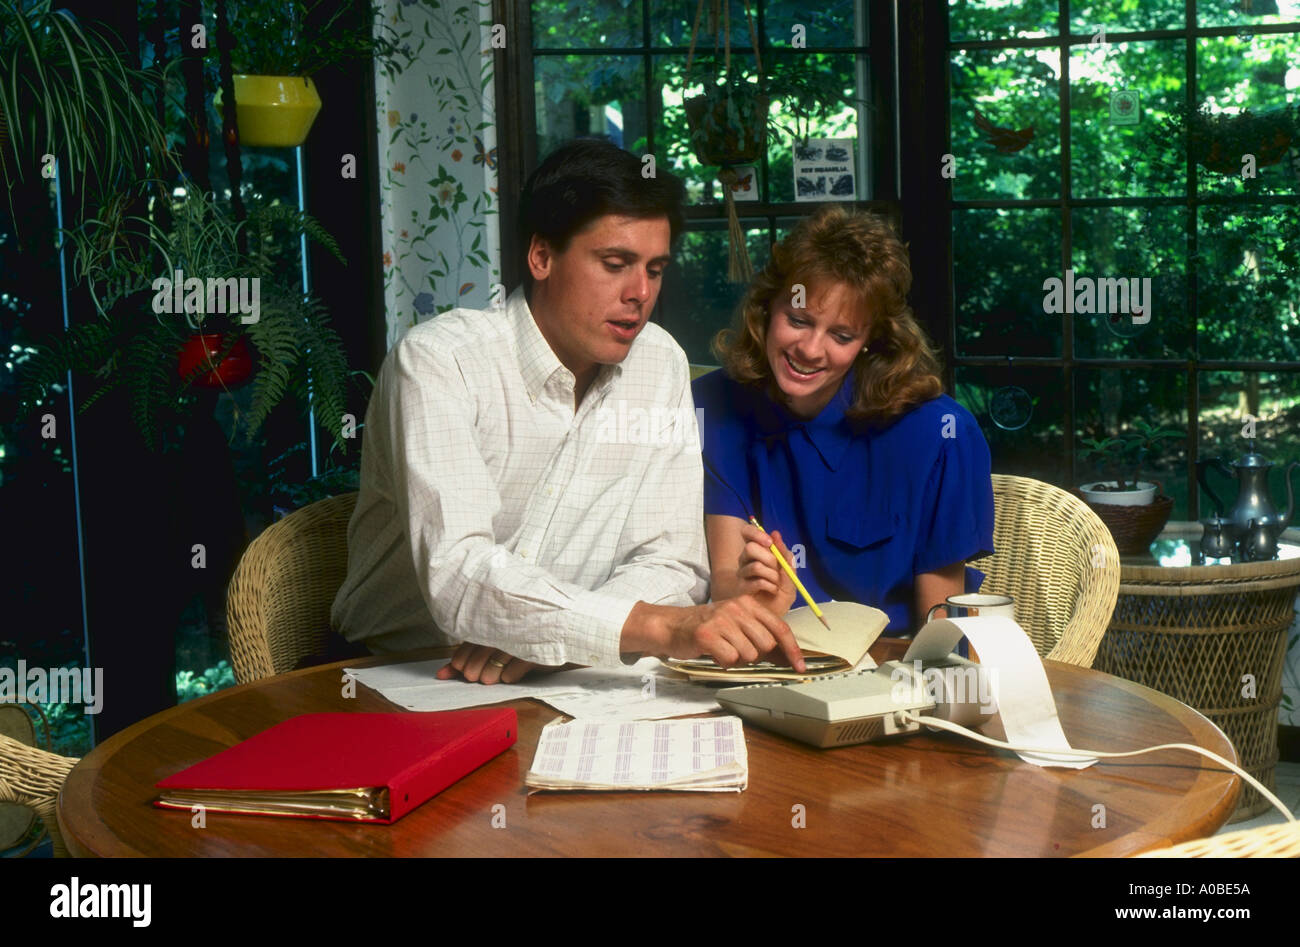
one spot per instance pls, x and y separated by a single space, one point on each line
898 368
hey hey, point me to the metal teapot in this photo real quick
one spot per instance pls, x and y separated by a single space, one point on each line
1255 523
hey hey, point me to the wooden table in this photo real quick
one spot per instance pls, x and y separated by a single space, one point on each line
928 794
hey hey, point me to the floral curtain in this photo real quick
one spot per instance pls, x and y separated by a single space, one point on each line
438 178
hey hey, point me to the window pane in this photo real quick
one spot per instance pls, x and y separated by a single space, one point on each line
1261 76
586 24
589 95
1110 159
697 300
1000 19
671 21
1022 414
1230 14
1125 16
844 71
832 23
672 134
1107 399
1000 259
1006 123
1248 282
1273 398
1139 253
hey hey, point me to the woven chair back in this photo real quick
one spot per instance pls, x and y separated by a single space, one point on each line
278 603
1056 558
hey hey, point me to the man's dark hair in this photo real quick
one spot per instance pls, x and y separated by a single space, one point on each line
588 178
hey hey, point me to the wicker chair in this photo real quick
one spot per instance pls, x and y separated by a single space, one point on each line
1046 543
1266 841
279 599
32 777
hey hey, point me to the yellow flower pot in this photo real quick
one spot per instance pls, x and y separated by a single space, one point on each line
275 111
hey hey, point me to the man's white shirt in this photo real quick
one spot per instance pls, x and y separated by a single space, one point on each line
491 512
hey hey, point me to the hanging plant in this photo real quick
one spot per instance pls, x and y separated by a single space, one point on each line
1219 141
731 120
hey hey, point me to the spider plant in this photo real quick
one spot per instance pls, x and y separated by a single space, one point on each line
69 102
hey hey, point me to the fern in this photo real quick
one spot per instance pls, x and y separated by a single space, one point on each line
277 338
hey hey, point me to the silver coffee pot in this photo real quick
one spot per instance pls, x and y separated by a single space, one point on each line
1255 525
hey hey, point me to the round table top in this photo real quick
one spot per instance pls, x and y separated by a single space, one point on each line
927 794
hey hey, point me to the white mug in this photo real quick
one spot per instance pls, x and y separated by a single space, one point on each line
970 604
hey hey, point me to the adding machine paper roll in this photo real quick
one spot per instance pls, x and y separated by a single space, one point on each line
1016 674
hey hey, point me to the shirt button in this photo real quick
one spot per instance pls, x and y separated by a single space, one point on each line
523 554
593 658
550 492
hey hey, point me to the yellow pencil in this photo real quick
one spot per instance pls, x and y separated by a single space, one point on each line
795 579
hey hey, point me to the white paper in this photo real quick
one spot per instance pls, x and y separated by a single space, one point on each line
707 754
1024 696
641 691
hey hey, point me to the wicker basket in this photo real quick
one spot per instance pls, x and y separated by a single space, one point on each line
1194 633
1134 527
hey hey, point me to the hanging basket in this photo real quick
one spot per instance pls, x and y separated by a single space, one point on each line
719 141
200 350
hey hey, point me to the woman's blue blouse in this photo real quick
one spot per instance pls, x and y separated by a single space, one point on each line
871 507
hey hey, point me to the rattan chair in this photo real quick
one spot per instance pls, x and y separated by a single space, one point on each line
32 777
279 599
1266 841
1057 559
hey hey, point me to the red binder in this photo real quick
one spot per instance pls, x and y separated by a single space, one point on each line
367 767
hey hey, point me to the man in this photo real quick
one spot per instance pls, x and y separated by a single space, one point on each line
496 509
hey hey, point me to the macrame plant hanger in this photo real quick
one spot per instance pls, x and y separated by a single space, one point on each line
739 267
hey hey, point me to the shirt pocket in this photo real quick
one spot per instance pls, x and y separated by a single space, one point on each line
862 529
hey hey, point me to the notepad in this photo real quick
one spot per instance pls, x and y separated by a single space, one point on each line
700 754
853 629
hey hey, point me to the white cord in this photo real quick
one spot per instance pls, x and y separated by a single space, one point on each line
1070 751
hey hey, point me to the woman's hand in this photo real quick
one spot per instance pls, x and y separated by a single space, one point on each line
760 574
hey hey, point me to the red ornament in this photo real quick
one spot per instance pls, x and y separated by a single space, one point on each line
202 350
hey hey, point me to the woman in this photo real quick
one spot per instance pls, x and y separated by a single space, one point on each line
828 423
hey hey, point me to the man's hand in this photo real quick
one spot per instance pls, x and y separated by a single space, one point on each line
760 575
736 631
486 665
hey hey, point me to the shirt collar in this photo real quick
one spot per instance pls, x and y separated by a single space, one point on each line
537 360
830 432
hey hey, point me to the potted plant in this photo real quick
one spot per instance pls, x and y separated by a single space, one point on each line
730 119
159 336
276 46
68 96
1133 509
1124 455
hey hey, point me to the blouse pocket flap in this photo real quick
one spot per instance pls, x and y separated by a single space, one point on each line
861 529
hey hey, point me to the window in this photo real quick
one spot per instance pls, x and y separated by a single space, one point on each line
619 69
1110 144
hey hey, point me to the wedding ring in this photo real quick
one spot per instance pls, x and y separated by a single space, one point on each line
495 663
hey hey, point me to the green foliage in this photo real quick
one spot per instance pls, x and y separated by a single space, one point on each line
190 686
120 256
1127 451
65 91
269 38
